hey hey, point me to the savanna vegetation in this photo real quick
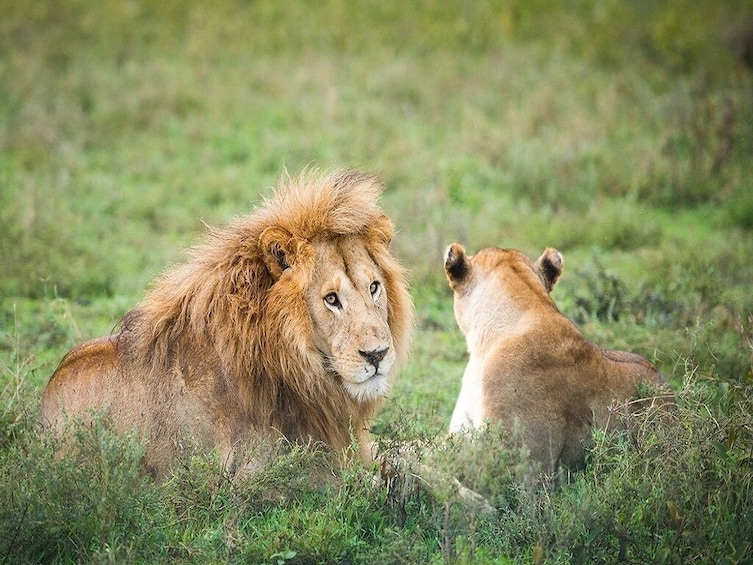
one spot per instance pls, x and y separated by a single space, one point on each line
619 132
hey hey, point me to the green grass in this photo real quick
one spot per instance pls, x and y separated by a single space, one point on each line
620 133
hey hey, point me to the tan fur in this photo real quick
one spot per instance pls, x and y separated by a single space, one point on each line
286 323
529 367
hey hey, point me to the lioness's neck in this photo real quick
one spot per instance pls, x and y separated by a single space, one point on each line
508 318
495 324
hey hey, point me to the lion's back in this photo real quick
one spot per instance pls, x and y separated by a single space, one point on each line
80 382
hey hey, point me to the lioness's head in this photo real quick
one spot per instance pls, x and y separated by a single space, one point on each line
499 284
344 285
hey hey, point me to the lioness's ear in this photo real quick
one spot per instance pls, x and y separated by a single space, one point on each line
276 245
456 264
550 266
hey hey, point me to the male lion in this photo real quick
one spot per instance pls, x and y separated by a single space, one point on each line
286 323
530 368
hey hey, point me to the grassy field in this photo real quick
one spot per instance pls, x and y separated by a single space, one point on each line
619 132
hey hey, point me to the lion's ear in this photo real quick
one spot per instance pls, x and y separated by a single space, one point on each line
277 248
457 265
382 229
550 266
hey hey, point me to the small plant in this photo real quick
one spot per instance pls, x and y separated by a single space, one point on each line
282 557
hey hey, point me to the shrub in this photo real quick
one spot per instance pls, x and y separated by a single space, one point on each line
93 501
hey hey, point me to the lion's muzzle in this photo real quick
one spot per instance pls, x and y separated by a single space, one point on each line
374 357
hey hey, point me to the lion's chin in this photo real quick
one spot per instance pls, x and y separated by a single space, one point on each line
370 389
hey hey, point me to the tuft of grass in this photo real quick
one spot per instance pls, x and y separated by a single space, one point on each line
666 493
81 508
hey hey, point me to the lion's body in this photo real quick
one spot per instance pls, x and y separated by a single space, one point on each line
529 366
287 323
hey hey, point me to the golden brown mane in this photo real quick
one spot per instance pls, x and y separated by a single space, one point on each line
226 287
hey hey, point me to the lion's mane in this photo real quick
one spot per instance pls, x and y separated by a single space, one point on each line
225 312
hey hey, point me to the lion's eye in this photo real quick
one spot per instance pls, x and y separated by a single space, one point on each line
374 288
332 299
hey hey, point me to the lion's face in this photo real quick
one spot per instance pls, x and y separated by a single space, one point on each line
347 300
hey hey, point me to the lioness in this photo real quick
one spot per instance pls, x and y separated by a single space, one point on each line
287 323
529 367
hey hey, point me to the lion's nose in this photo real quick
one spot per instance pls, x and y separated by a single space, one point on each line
374 356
